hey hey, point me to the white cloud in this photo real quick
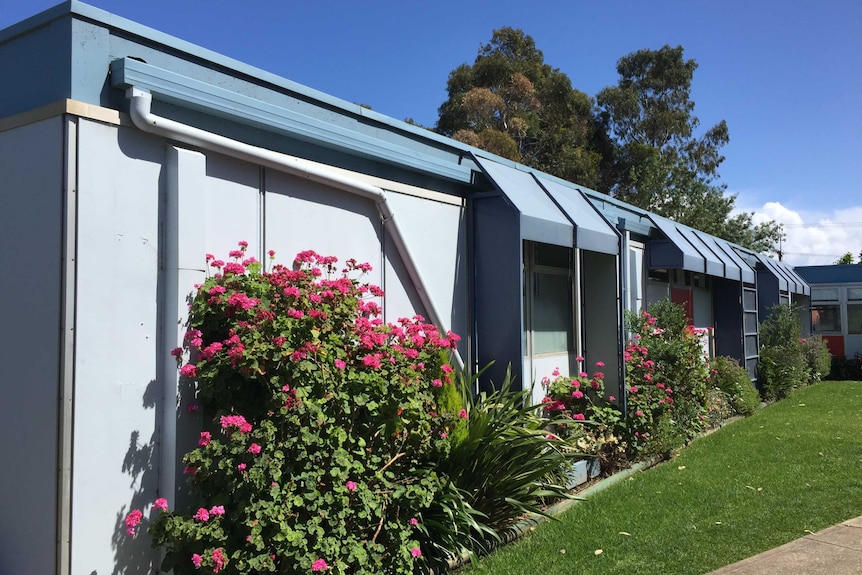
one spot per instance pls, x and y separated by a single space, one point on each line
814 237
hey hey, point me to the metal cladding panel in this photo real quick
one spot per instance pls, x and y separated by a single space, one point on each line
541 220
791 279
731 268
31 231
304 215
690 258
714 266
771 265
592 231
802 287
117 410
436 236
747 274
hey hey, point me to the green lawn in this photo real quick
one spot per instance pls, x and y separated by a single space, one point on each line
793 467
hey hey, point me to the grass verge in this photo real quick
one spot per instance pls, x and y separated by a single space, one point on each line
792 468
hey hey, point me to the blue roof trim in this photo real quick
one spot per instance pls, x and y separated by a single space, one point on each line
690 258
747 274
731 267
194 94
714 265
831 274
540 219
592 231
109 20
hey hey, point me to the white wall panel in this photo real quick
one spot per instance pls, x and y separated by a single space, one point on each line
303 215
435 235
116 393
31 227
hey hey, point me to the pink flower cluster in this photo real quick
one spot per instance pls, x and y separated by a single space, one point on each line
319 565
237 421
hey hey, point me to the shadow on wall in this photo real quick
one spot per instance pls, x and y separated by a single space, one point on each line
134 555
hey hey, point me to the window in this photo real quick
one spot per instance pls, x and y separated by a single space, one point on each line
854 318
825 310
550 310
825 318
854 294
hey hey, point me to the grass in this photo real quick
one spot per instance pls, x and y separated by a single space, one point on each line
791 468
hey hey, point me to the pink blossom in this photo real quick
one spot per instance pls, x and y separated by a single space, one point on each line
132 520
556 372
217 264
611 398
462 414
579 358
639 413
189 470
437 383
371 361
446 368
271 253
202 515
241 466
243 244
340 364
237 421
414 522
583 374
161 504
192 407
210 257
351 486
217 510
219 558
254 448
416 552
197 560
319 565
577 394
177 351
205 438
579 416
633 389
188 370
600 364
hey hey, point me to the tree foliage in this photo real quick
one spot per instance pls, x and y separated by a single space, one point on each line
639 140
509 102
662 162
846 259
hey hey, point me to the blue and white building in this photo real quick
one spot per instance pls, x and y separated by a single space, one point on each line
126 155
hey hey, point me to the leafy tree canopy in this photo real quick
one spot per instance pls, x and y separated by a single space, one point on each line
639 141
661 163
509 102
846 259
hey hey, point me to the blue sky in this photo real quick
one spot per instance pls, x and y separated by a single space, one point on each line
786 75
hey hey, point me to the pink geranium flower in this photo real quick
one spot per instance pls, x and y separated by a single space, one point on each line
319 565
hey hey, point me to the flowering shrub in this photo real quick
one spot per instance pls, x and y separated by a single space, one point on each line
666 377
326 426
817 357
586 417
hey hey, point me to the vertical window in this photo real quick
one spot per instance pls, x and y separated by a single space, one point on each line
550 317
825 310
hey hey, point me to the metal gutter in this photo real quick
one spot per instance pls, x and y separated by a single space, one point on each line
143 118
213 100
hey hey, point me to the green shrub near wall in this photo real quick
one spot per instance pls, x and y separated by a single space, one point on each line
733 380
338 443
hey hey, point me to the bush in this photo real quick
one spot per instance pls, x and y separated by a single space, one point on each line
732 379
844 369
781 370
783 365
817 358
666 350
327 425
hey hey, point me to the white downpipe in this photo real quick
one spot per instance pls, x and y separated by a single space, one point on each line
143 118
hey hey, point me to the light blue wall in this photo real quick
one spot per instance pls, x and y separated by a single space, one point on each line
31 232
